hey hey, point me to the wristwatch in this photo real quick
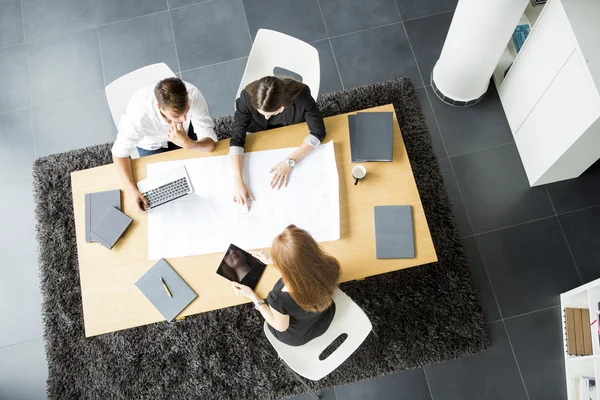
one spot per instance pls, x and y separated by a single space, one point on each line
259 303
290 162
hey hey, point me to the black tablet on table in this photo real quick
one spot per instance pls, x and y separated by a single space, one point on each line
240 266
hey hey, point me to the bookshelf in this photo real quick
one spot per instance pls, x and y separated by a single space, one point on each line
509 55
586 296
550 94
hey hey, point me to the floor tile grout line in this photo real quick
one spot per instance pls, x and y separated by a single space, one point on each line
454 175
187 5
487 273
20 343
431 15
427 381
399 13
179 8
565 237
336 64
16 110
449 159
514 225
23 20
481 150
98 26
212 65
101 57
364 30
516 361
330 44
174 41
438 125
530 312
576 210
30 120
247 26
323 18
412 51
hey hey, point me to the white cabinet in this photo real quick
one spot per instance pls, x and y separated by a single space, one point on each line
550 93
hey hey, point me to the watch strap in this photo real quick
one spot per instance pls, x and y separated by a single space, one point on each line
259 303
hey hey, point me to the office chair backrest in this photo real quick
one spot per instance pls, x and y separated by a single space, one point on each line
349 319
120 91
273 53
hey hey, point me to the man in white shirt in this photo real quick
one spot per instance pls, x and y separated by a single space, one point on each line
171 115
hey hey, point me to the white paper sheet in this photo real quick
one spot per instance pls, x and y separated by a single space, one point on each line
208 220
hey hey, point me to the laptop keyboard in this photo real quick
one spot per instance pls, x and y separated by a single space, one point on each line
167 192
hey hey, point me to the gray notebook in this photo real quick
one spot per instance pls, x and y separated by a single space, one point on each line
152 286
96 205
110 227
370 136
394 236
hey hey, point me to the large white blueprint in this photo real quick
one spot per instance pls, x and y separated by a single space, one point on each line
208 220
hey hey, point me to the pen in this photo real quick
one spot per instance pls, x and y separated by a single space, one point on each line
165 286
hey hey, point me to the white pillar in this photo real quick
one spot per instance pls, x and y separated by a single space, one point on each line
478 35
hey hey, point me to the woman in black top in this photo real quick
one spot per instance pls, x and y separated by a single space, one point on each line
267 103
300 306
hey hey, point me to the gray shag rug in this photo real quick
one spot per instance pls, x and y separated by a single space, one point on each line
422 315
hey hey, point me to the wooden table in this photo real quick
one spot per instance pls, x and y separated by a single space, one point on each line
112 302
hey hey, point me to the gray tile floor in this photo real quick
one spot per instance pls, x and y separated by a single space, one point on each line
525 245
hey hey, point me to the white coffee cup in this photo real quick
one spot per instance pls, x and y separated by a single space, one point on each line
358 172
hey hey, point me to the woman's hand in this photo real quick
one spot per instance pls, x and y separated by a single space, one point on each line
243 291
281 172
241 195
263 256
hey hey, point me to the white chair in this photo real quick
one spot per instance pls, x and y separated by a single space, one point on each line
304 360
121 90
272 50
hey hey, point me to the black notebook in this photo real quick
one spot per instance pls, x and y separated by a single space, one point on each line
96 205
370 136
110 227
394 236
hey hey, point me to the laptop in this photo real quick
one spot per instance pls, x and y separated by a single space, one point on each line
240 266
166 187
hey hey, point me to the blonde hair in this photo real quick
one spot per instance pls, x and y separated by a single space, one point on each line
310 274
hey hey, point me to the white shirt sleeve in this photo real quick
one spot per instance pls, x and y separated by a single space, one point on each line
130 133
203 123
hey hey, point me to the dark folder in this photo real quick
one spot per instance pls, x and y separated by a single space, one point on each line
370 136
96 205
394 236
110 227
151 284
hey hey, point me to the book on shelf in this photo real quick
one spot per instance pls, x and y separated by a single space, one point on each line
584 388
579 333
520 35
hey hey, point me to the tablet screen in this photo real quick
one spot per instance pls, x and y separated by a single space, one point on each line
240 266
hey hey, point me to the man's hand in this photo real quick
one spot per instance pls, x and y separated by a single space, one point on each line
138 201
178 136
281 172
241 195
